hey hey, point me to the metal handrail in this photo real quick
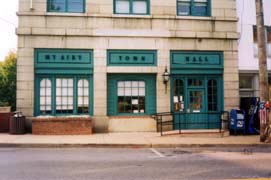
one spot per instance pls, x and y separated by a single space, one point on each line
168 119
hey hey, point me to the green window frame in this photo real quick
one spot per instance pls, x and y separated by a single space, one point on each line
212 95
131 96
211 86
63 95
143 94
136 7
71 6
45 97
179 95
193 7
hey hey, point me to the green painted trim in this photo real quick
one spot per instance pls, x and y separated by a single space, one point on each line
82 64
64 71
209 9
150 57
220 90
38 78
66 7
196 62
131 8
195 71
150 96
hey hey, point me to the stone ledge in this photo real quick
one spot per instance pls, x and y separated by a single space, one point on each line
153 16
131 124
62 125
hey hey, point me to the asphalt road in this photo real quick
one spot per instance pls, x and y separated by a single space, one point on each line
134 163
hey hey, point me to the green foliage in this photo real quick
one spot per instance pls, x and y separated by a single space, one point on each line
8 81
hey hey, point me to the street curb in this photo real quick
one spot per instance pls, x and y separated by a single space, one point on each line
17 145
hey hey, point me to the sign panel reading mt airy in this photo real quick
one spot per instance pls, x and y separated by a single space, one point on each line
60 56
131 58
65 61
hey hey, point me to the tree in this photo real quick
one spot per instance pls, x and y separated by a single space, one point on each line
8 81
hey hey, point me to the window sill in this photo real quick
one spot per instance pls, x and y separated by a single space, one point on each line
246 89
195 17
125 116
131 16
65 14
62 116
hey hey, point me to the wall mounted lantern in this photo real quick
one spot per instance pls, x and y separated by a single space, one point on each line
166 76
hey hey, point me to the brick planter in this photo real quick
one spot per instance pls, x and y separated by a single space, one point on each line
5 109
62 126
4 122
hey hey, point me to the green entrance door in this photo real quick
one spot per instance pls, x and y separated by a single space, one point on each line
195 102
196 109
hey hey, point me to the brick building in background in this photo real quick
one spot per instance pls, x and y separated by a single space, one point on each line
105 59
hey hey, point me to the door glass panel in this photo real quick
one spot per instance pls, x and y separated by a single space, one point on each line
178 98
195 101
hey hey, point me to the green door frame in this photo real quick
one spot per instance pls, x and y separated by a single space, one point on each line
184 116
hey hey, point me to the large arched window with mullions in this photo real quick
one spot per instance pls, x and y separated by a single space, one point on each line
45 96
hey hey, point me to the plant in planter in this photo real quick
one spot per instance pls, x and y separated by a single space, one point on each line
4 107
8 81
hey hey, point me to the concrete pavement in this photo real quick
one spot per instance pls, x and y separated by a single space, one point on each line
128 140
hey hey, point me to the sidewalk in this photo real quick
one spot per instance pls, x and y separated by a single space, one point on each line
139 140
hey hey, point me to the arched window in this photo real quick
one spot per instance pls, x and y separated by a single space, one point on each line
212 95
178 98
83 96
45 96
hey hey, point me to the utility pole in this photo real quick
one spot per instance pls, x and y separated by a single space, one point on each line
263 74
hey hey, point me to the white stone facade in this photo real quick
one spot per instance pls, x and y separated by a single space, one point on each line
100 29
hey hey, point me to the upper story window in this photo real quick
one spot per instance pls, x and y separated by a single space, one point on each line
246 86
72 6
193 7
131 7
268 40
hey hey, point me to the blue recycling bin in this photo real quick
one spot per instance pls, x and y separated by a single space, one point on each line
237 122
